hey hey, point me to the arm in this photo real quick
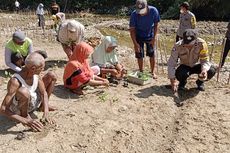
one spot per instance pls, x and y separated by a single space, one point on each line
172 63
98 81
193 22
44 97
204 61
8 61
133 37
12 87
155 30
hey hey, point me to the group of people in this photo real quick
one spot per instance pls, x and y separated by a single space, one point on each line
99 66
56 15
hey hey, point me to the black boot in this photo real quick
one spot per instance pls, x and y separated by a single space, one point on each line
181 86
200 85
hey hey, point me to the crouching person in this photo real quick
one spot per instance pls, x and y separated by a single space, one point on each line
194 59
105 57
27 92
78 73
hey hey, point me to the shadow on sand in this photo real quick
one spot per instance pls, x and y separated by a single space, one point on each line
55 63
165 90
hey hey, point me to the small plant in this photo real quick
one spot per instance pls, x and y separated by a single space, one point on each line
103 97
8 74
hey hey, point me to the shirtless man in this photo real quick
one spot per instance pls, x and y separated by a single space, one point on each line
27 92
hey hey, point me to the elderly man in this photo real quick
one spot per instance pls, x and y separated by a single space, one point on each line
143 30
26 92
16 50
190 50
187 20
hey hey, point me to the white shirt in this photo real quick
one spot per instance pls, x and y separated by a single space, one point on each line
17 4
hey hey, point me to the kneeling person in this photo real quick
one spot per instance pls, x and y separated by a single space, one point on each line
26 92
190 50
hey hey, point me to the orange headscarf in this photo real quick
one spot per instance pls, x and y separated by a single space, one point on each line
81 53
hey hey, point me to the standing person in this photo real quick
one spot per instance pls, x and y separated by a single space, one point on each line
58 19
16 50
41 19
70 33
78 73
143 30
27 92
187 20
54 8
17 6
227 45
105 57
194 59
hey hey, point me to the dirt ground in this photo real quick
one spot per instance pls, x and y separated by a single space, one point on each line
133 119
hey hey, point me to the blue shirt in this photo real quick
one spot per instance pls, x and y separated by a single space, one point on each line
144 24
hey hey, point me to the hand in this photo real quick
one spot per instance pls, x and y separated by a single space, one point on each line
203 75
105 83
137 48
34 125
153 42
46 119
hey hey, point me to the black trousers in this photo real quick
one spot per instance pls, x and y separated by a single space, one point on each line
184 71
226 51
178 38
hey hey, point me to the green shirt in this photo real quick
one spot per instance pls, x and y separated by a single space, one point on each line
22 49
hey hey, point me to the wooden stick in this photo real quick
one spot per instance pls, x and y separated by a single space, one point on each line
165 50
161 56
228 78
157 61
221 57
213 46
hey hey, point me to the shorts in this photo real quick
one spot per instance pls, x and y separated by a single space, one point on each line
34 104
150 50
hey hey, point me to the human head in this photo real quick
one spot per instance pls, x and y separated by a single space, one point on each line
76 27
41 5
110 43
184 7
19 37
81 52
141 7
35 63
189 36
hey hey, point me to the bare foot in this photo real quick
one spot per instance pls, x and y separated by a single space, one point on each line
154 76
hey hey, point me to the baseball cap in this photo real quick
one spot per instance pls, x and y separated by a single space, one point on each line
185 5
141 6
19 36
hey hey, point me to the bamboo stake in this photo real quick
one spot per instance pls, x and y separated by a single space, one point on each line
157 61
161 56
165 50
221 57
213 46
228 78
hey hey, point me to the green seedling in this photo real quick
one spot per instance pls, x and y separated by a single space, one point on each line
103 97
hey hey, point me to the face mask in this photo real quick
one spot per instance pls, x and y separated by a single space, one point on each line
181 11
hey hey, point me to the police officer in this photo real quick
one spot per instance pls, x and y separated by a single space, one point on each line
194 59
187 20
